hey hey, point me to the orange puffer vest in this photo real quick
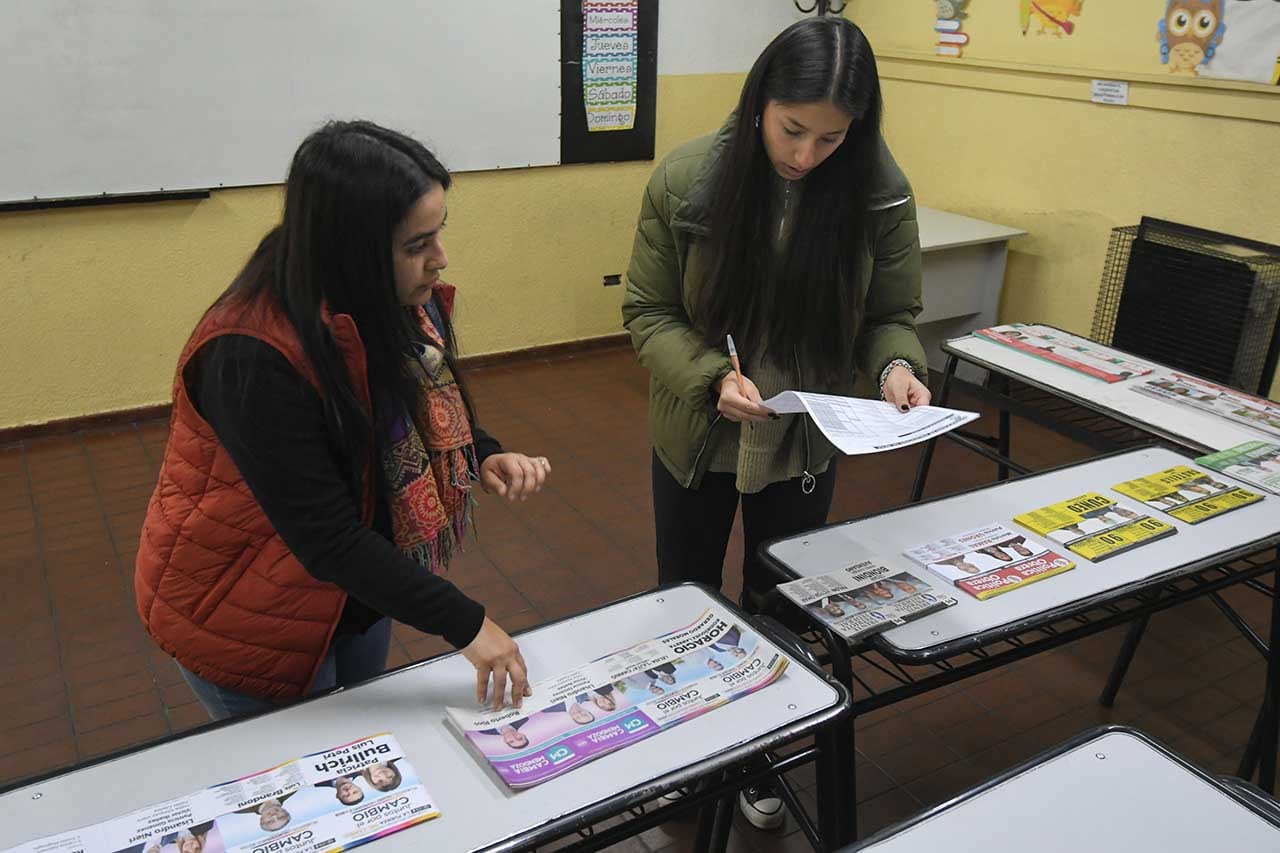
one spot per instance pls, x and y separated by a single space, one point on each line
216 586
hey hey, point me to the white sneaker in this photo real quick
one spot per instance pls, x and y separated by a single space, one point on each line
762 807
673 795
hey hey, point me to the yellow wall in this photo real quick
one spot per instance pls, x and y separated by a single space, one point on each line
100 300
1008 134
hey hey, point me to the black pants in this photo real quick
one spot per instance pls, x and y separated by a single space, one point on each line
693 525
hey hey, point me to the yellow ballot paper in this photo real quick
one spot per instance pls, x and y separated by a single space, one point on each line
1187 494
1095 526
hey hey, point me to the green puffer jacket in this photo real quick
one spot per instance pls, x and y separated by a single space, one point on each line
659 301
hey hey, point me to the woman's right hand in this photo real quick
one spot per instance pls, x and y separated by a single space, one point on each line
493 652
740 404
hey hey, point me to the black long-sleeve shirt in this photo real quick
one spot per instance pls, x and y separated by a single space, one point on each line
271 421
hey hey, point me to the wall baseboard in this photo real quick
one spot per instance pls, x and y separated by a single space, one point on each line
565 348
120 417
81 423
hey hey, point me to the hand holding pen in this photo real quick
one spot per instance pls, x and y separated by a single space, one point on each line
739 397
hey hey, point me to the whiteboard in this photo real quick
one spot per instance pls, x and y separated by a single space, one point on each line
127 96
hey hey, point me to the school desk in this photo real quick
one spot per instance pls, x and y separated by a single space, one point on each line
975 636
478 812
962 274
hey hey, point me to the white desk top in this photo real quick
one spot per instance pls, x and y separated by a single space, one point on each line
942 230
1180 424
1133 799
891 533
477 810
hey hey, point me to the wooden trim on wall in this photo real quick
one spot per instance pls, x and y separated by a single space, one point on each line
1199 96
120 417
101 420
565 348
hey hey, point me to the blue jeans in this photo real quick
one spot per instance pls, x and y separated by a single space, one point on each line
351 658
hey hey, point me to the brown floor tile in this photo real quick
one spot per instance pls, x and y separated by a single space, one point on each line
32 735
947 782
119 667
889 808
177 694
121 735
187 716
110 689
35 667
38 760
945 713
33 690
117 711
17 714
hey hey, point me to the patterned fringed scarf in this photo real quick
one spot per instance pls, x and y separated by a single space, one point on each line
430 482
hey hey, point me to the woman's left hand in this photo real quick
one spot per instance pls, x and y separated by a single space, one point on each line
904 390
514 475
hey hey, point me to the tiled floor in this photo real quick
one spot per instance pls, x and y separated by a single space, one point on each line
78 678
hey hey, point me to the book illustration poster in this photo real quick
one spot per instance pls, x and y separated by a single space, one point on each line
949 27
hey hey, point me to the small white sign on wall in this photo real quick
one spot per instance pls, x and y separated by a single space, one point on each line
1111 92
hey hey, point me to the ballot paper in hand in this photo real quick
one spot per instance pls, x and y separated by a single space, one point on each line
855 425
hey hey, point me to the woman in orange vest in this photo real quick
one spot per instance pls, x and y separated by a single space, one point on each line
322 447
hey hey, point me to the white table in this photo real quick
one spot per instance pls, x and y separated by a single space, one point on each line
832 547
1114 791
962 265
1182 425
478 812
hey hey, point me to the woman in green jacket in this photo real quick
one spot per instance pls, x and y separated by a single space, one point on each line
793 230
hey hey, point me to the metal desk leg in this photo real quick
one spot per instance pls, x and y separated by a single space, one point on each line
836 771
1249 760
1002 386
715 819
1130 647
926 453
837 791
1270 738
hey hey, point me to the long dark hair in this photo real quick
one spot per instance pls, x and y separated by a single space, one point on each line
807 301
350 184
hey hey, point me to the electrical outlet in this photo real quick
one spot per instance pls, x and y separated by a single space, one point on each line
613 280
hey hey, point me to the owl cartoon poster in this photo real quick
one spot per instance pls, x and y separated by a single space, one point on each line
1190 34
1049 17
